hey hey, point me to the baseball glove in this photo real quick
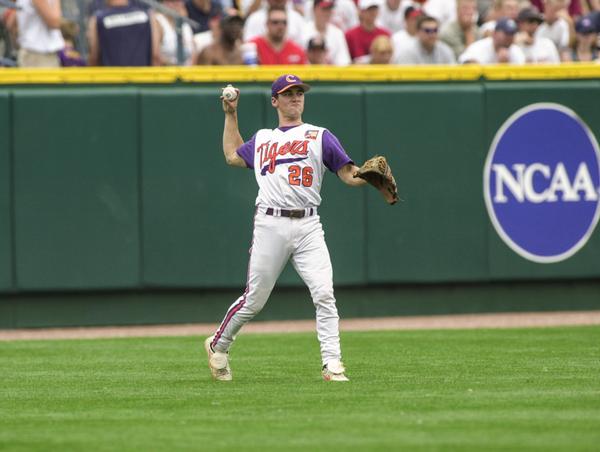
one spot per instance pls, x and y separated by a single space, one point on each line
378 173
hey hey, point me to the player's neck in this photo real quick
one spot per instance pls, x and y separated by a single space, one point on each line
290 121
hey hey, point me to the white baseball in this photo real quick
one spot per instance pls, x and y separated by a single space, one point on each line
229 93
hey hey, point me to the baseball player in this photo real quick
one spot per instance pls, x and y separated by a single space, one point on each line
289 163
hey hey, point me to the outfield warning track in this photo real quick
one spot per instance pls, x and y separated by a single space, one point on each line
458 321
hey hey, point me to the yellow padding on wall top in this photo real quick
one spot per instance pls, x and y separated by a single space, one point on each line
543 72
358 73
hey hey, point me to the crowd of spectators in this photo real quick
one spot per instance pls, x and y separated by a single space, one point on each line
36 33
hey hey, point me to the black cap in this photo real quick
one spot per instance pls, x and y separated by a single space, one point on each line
316 43
530 15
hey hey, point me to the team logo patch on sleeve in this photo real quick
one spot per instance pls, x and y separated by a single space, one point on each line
311 134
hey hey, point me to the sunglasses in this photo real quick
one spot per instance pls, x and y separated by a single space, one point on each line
278 22
429 31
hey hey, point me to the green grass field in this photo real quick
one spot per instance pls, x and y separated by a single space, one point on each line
536 389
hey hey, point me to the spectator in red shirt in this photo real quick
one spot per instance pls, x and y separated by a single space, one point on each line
275 47
359 38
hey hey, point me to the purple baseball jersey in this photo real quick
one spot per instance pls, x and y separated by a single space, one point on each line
289 163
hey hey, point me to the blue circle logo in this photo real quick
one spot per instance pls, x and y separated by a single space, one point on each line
542 182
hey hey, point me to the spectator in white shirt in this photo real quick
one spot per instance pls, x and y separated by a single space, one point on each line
427 48
557 25
498 48
404 38
337 49
168 34
39 34
536 49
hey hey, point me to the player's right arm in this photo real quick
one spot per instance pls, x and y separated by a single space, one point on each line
232 139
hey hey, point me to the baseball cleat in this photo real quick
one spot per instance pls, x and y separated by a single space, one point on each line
334 371
218 362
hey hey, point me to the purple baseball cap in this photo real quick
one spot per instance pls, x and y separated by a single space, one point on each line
285 82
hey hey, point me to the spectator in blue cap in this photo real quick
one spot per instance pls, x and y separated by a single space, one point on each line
585 47
498 48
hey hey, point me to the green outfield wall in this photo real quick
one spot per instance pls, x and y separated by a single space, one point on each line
6 249
94 308
125 187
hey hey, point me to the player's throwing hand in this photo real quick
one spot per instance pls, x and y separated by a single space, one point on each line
230 98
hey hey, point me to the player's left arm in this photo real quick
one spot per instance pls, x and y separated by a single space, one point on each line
346 174
336 159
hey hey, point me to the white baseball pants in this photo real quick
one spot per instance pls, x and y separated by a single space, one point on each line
274 241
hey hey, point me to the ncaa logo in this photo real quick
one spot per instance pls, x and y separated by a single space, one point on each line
541 182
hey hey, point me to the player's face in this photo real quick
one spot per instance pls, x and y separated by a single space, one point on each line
291 102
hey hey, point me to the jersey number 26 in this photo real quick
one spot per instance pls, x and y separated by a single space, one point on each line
299 175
